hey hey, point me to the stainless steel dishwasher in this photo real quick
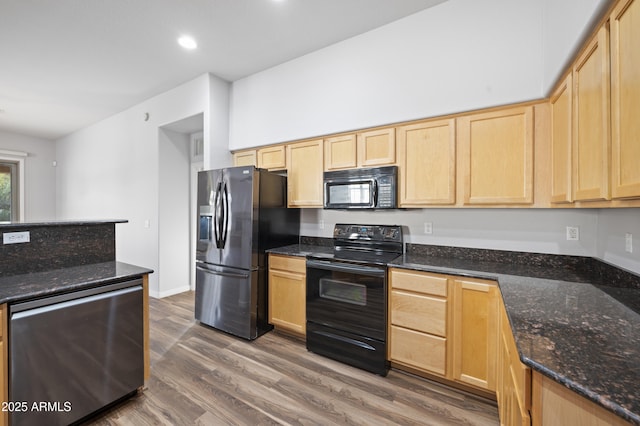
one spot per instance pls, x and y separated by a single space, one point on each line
72 354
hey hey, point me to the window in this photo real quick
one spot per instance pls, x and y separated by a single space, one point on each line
9 191
11 186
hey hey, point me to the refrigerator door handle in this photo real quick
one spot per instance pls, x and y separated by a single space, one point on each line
223 274
225 215
216 222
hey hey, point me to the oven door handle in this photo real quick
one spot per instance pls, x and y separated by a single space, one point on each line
343 267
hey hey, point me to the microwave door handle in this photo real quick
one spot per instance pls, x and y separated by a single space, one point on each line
374 195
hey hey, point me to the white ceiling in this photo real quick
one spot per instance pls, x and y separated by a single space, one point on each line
65 64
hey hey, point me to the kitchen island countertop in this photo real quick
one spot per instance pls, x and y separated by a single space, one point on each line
19 287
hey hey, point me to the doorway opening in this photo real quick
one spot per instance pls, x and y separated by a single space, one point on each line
180 158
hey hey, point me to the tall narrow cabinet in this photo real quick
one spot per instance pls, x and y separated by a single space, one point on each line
591 139
625 99
561 105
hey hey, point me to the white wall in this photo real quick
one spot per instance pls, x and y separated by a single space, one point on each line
613 224
566 23
111 169
174 213
532 230
40 175
216 147
456 56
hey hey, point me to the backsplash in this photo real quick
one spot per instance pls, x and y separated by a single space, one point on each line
594 270
57 246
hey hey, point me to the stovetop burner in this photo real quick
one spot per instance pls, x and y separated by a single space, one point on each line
365 244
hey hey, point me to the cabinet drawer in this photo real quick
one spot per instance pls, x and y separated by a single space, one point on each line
419 281
418 350
288 263
418 312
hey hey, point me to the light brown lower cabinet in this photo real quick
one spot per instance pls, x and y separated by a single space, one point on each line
287 293
553 404
445 326
418 320
513 390
475 332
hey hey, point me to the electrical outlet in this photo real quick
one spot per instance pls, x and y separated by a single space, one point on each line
428 228
573 233
16 237
321 224
628 242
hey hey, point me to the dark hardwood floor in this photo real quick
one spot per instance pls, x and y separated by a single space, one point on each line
200 376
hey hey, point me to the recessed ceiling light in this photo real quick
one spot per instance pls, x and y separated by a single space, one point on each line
187 42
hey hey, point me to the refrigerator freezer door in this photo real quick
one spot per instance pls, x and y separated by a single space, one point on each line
227 299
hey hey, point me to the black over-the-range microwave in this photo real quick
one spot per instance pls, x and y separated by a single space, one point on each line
373 188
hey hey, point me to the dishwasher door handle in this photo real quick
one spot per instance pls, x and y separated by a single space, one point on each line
47 307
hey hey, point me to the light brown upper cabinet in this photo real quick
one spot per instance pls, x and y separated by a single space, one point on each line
377 147
496 156
591 139
561 103
625 100
245 158
340 152
272 158
427 163
304 175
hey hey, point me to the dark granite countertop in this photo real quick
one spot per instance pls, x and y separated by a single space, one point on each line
569 324
574 319
28 286
6 225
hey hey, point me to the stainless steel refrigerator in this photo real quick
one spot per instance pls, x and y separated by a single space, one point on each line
242 212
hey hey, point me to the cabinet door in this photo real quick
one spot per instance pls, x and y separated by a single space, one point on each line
591 121
554 404
304 177
287 294
625 100
340 153
245 158
427 163
475 332
561 102
377 148
513 388
497 156
272 158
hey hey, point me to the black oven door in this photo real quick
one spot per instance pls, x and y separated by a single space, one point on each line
346 313
347 297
